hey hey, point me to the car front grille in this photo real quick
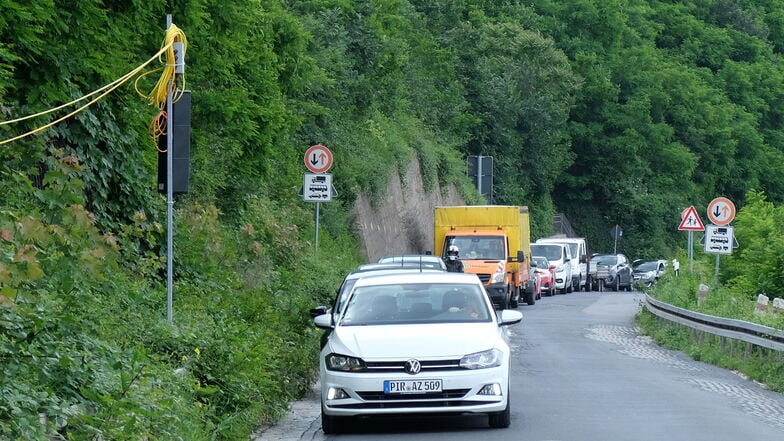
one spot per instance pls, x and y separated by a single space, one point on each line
450 394
399 366
484 278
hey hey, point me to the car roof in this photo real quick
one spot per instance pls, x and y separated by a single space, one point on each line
550 244
409 257
420 277
640 261
413 258
374 269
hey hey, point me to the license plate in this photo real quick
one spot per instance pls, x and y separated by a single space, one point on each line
412 386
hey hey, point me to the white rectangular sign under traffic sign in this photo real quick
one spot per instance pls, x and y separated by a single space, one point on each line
718 239
317 187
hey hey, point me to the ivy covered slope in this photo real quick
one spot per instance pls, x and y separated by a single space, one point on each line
619 112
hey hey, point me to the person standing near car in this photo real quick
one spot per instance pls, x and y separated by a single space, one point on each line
453 263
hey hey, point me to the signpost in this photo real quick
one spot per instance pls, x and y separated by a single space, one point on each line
719 238
691 222
616 232
318 159
317 186
721 211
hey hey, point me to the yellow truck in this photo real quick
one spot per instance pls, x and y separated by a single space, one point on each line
494 242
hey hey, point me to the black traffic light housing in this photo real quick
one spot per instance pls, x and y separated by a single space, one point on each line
181 147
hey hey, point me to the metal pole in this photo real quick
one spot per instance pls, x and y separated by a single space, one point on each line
615 244
317 223
169 197
717 268
479 173
690 251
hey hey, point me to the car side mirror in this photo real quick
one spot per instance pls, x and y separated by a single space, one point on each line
323 321
318 310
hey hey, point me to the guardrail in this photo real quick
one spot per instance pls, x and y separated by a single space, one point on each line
752 333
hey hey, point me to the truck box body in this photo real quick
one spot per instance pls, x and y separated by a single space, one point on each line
489 238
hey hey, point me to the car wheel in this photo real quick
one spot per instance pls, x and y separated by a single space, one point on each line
617 285
502 419
514 302
330 424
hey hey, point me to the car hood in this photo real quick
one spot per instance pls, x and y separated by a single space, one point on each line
423 341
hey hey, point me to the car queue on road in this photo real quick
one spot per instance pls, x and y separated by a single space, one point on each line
405 336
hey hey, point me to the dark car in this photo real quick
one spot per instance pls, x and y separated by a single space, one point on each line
647 272
613 271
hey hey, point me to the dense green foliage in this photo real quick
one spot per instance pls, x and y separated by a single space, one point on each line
614 112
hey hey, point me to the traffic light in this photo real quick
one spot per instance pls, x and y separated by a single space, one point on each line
181 147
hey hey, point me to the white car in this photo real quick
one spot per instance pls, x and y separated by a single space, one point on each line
416 344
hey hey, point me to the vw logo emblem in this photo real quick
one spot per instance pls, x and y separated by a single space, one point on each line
413 366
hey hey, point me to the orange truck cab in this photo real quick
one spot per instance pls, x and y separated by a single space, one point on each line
494 242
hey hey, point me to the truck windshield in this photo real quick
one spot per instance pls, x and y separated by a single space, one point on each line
478 247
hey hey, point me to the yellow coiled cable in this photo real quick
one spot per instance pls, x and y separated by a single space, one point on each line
156 97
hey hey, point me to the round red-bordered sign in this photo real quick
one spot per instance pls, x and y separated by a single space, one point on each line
721 211
318 159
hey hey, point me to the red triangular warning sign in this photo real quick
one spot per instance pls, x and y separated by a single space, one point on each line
691 221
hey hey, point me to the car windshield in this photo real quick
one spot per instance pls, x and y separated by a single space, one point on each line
541 262
651 265
572 248
479 247
605 260
551 252
410 303
427 262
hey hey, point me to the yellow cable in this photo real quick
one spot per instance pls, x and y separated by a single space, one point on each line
160 92
131 73
173 34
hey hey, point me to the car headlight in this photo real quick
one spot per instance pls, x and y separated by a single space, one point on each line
337 362
482 360
498 277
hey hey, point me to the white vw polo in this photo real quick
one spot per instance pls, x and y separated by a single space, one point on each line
415 343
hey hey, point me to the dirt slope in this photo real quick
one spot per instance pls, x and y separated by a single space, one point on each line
403 222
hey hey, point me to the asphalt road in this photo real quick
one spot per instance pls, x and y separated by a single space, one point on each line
582 372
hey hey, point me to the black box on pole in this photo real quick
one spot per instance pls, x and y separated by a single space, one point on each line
181 147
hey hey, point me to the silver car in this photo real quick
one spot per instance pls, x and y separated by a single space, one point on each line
427 261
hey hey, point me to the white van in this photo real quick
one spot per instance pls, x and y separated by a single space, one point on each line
559 256
579 252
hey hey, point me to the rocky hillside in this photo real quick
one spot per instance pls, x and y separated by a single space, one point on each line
403 221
